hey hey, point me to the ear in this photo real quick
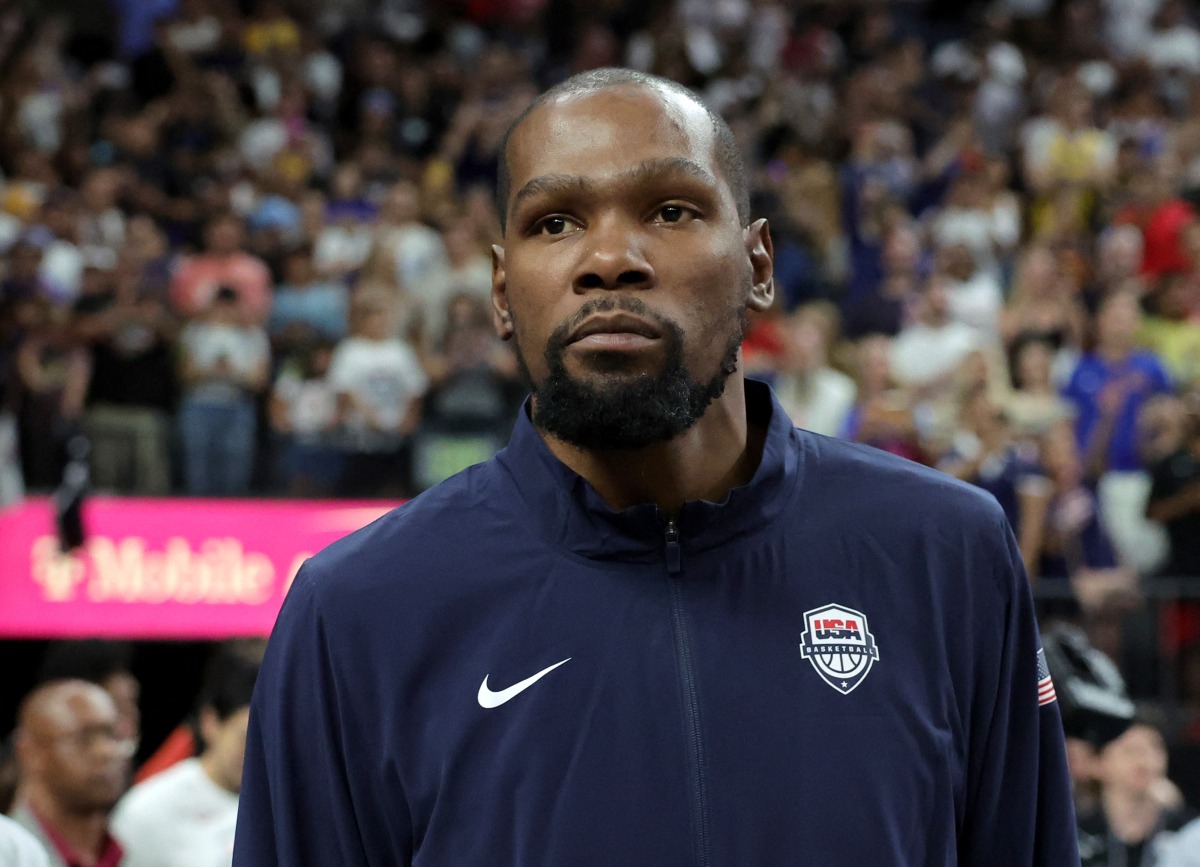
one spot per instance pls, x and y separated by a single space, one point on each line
761 252
501 316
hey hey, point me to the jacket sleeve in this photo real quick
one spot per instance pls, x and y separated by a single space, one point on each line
302 804
1019 810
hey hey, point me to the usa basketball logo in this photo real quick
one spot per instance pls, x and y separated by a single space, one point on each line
838 644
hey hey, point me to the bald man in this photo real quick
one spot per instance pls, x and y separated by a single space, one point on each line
74 765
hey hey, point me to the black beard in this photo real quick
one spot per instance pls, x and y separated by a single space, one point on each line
614 413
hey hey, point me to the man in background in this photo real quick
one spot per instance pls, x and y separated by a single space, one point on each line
185 816
74 766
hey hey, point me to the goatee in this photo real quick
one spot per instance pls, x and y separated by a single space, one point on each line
614 411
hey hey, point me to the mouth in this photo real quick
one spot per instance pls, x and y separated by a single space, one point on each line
618 331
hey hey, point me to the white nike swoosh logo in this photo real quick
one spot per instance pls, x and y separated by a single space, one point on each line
490 699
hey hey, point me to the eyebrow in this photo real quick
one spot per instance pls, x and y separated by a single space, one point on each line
639 174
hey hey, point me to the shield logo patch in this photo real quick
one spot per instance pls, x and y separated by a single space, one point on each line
839 645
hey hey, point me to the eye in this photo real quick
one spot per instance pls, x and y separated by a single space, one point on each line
555 225
674 214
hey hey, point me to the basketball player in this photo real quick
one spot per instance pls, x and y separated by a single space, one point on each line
663 627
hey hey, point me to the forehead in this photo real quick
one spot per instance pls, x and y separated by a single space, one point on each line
606 132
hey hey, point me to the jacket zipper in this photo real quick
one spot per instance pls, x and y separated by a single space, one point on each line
683 652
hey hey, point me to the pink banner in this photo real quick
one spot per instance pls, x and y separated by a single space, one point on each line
163 568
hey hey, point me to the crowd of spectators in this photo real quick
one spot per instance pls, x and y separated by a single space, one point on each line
244 248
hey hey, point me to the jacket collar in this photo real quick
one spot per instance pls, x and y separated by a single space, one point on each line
566 509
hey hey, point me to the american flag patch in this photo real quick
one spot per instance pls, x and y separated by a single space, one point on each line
1045 684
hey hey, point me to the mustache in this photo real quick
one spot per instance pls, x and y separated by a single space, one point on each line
625 303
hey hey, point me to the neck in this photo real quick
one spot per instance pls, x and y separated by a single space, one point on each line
84 832
1114 351
1131 815
208 764
706 462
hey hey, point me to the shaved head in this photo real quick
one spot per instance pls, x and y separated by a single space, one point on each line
726 155
69 749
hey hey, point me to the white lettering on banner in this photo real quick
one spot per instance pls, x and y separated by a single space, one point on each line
219 572
56 572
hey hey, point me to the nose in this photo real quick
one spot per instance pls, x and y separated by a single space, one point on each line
613 257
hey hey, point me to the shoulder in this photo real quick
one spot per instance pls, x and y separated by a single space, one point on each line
871 488
425 548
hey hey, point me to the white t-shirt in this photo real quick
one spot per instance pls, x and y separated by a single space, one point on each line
204 343
384 375
177 818
19 848
822 404
418 252
312 404
921 353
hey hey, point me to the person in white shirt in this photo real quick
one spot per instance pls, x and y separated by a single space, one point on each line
816 397
380 382
926 353
185 816
19 848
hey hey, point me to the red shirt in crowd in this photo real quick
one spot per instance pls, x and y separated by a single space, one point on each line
111 852
1162 232
196 282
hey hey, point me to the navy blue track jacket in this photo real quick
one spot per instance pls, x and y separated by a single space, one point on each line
838 665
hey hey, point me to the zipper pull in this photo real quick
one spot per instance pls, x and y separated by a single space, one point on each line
674 564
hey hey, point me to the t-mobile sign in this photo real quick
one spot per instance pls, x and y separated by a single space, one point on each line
162 568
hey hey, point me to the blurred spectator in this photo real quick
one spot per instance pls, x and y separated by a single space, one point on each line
1034 405
225 361
986 454
974 293
224 264
379 382
1139 806
186 815
130 335
815 396
74 766
474 394
1045 305
344 243
306 305
1075 545
980 214
1069 161
466 270
885 311
1171 430
304 414
882 416
1169 331
413 250
928 351
1108 388
52 380
1163 219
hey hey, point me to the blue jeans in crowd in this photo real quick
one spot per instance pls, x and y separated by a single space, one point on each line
218 446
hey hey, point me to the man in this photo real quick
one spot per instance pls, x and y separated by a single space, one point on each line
1108 389
74 765
185 816
662 627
